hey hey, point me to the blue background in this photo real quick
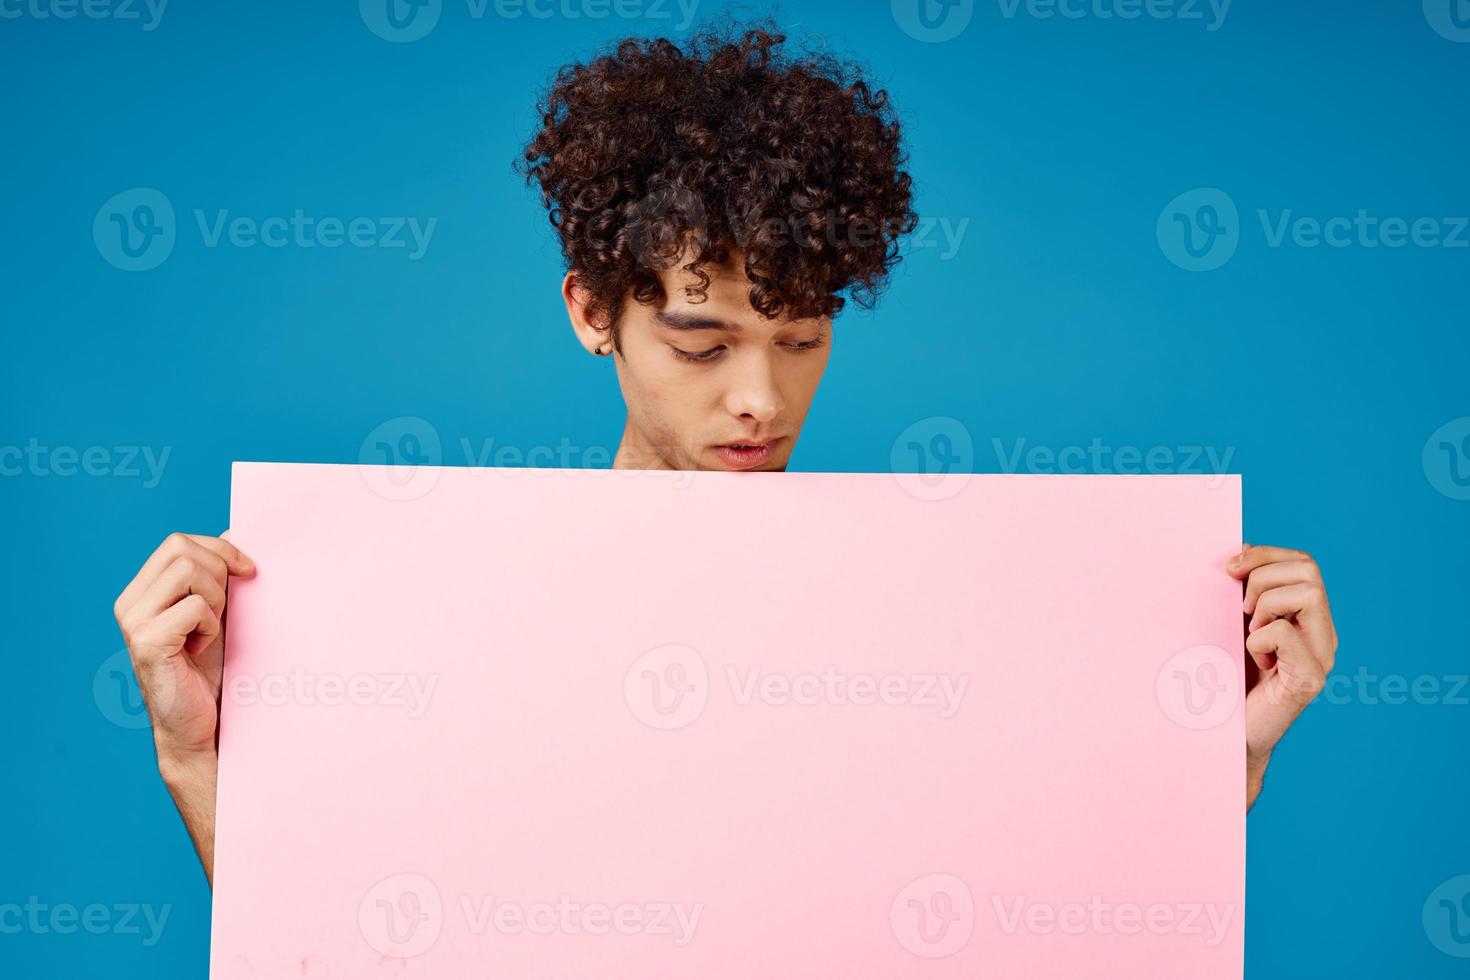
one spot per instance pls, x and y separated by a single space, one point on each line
1060 319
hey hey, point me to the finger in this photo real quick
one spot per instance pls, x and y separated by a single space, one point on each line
1254 556
1284 691
1305 601
1298 676
239 562
180 543
190 574
204 634
1275 576
165 634
176 544
230 559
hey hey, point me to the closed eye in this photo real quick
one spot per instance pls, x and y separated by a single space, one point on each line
714 352
697 356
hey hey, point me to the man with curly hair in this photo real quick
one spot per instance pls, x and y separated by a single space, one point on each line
716 205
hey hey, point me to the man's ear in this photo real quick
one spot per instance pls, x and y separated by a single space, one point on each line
593 332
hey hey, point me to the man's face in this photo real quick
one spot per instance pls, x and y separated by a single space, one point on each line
701 380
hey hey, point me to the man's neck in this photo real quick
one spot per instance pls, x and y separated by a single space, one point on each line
635 453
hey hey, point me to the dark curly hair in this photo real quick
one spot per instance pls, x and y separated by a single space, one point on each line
722 145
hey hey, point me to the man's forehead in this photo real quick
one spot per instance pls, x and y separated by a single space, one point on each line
687 320
712 316
725 303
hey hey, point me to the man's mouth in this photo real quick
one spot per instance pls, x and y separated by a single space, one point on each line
744 455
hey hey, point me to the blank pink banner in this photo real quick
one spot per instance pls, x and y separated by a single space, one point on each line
592 723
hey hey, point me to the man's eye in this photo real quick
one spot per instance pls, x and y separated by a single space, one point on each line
806 344
703 355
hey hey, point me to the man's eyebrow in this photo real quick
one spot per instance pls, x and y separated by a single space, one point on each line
693 321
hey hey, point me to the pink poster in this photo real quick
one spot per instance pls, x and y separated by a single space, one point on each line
577 723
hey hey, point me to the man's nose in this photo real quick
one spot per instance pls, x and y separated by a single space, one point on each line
754 393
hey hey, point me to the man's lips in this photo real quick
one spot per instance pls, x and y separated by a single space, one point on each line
748 443
744 455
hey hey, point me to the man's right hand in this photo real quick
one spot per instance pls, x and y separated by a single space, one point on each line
172 617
